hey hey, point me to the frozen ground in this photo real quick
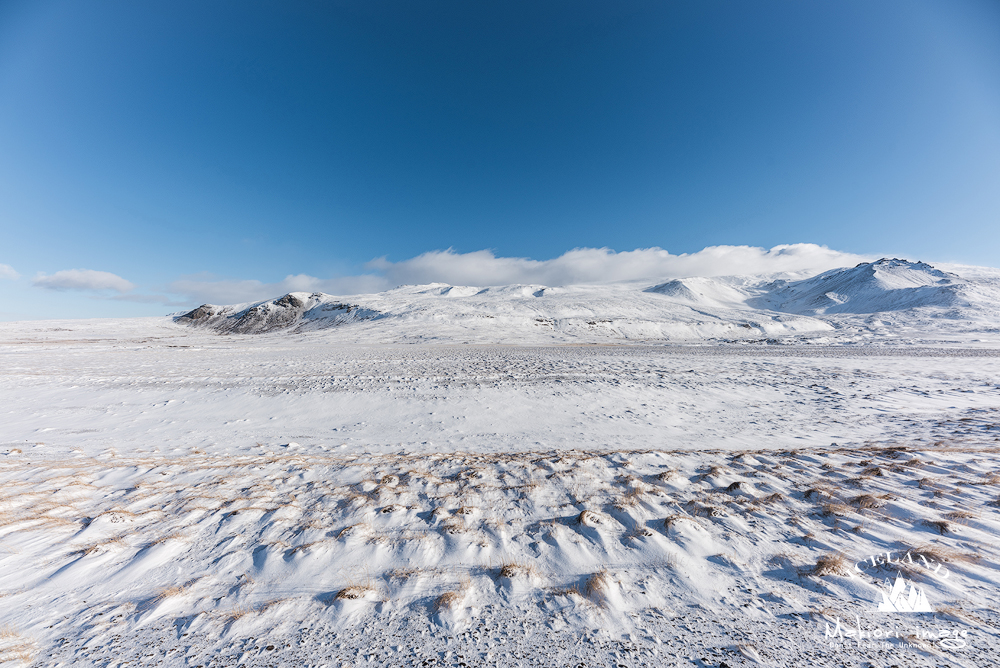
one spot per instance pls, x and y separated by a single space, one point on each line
170 496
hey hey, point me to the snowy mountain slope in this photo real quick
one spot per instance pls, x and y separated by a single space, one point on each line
883 296
288 311
524 312
871 287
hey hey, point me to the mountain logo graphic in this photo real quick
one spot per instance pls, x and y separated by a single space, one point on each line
902 598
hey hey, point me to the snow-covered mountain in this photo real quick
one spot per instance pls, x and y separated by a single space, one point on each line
892 292
870 287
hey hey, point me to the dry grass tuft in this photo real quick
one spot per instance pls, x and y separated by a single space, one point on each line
944 554
961 516
866 501
168 592
941 526
448 601
599 585
354 592
238 612
834 563
589 518
667 476
705 510
629 499
452 600
513 570
836 509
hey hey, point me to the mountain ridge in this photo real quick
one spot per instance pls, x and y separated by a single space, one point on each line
736 307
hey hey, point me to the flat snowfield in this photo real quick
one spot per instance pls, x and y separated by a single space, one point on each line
171 496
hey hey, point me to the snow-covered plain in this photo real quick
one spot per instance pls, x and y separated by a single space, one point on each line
410 481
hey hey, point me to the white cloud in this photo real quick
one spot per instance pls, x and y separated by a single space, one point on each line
603 265
483 268
7 271
82 279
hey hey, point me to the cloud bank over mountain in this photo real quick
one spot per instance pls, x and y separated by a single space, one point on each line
577 266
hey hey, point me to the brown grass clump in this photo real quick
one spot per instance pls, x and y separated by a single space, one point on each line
448 601
238 612
403 574
354 592
589 518
599 586
944 554
641 532
866 501
628 499
453 525
818 492
836 509
961 516
834 563
704 510
451 600
941 526
176 590
512 570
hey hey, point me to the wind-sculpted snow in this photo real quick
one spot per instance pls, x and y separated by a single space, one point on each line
839 303
169 497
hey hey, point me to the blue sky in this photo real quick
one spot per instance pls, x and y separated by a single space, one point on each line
172 152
